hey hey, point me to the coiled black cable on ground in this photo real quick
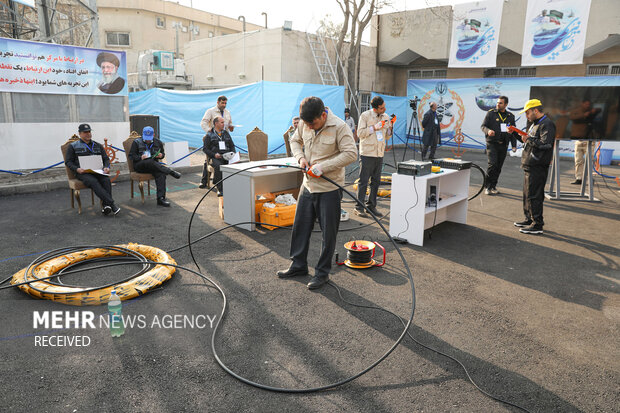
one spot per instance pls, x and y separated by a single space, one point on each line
327 386
67 250
146 264
399 340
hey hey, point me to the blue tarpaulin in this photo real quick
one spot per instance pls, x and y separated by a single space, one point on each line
270 106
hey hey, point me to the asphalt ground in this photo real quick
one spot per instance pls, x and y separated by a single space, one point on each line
534 318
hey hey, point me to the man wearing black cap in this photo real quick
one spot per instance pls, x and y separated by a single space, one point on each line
101 184
112 83
145 153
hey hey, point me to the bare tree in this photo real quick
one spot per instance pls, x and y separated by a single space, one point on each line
357 14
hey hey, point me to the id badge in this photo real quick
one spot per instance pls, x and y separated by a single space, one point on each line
503 127
436 121
379 136
222 145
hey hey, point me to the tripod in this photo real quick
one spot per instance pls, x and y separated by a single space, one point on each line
414 126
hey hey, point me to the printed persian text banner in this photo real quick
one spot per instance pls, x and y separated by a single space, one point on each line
33 67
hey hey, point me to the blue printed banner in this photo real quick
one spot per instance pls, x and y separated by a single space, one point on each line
463 103
555 32
32 67
475 34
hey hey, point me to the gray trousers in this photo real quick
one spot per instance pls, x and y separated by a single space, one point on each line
370 168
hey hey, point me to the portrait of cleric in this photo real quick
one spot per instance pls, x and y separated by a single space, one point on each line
111 82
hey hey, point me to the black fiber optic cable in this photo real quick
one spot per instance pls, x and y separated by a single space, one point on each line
147 264
327 386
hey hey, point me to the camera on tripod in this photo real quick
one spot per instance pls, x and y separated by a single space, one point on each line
413 103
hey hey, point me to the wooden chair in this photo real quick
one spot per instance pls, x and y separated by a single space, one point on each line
75 184
287 143
133 175
258 142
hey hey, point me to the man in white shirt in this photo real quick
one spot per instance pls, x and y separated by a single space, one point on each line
217 111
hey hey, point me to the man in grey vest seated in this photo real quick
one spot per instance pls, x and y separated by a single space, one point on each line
86 157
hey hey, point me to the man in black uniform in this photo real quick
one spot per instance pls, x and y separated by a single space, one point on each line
144 153
101 184
537 156
495 128
432 131
216 143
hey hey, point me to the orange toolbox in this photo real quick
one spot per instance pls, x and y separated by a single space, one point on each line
282 215
270 197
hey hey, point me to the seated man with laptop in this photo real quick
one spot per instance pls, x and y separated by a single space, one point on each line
91 165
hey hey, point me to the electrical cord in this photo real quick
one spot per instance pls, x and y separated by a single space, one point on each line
327 386
430 232
427 347
133 257
417 198
484 181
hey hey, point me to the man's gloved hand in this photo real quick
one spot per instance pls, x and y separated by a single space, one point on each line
378 126
315 170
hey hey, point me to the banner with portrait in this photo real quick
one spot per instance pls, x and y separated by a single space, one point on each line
475 34
33 67
555 32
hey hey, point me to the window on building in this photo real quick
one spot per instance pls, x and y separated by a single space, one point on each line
510 72
603 70
428 74
364 101
161 22
117 39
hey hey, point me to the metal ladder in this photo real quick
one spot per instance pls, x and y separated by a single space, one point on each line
327 71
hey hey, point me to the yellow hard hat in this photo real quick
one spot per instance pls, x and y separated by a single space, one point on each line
532 103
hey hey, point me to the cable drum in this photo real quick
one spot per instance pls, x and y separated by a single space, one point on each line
37 279
359 257
360 252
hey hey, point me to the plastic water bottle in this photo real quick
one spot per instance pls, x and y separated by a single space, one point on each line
117 327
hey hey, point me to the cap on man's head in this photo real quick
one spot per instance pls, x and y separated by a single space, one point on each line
532 103
147 133
84 127
107 57
346 110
